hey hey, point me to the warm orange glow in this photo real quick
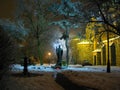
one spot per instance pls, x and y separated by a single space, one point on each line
49 53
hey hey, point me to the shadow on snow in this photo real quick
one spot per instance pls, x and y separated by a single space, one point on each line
68 85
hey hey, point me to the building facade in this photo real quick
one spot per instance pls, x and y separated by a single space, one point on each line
95 52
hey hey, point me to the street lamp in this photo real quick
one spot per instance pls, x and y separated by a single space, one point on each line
49 54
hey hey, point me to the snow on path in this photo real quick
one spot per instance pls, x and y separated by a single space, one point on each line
88 76
47 68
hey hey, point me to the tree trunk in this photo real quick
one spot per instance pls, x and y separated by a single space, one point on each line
39 52
25 70
108 60
67 45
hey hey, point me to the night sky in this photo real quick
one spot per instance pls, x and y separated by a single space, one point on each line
7 8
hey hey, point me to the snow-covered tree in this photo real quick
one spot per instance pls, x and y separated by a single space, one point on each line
68 10
35 15
16 29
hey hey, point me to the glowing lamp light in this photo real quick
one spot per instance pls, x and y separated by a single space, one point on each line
85 42
49 53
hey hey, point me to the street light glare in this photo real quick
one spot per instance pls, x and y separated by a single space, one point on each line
49 53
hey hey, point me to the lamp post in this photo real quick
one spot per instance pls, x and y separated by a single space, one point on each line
49 54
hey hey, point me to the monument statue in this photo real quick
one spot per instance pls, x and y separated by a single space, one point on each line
59 52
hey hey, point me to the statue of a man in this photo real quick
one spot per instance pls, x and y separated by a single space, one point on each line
59 52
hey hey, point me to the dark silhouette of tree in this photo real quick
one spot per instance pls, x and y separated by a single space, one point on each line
8 52
107 13
25 70
34 13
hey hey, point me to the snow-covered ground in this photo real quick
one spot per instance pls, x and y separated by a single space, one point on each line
44 77
47 68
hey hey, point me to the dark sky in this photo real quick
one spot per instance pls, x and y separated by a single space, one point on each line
7 8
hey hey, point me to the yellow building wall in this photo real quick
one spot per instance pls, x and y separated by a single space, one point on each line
73 46
85 52
117 48
114 51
